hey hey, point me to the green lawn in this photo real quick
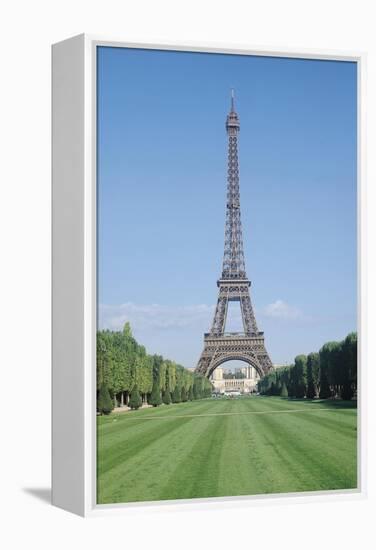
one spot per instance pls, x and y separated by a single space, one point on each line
226 447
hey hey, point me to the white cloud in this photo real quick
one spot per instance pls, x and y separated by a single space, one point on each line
154 316
281 310
157 317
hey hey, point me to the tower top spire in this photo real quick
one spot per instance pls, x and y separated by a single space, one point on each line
232 100
232 121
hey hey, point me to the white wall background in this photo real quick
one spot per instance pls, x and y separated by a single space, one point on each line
27 30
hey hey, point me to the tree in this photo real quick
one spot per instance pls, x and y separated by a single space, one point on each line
176 395
297 384
197 387
301 376
190 393
351 356
166 397
326 370
101 358
135 400
325 392
208 387
184 396
144 373
162 372
104 403
349 366
127 330
313 366
336 371
155 397
291 385
284 392
285 375
347 391
277 385
170 375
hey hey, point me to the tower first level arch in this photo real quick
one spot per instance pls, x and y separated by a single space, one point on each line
220 349
250 361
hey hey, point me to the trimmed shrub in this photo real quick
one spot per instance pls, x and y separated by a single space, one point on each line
104 403
347 392
311 390
184 396
166 397
284 392
135 400
176 395
155 397
325 392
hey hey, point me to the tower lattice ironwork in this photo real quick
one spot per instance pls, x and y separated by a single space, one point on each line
233 285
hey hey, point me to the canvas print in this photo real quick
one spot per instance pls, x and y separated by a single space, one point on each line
227 275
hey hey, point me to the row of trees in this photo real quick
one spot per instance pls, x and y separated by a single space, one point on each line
127 375
332 372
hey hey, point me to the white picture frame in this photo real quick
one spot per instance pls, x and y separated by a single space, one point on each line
74 276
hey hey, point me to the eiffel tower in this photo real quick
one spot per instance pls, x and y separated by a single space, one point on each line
233 285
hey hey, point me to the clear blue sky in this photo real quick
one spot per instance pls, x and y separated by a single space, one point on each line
162 151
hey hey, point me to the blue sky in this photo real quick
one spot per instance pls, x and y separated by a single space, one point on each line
162 151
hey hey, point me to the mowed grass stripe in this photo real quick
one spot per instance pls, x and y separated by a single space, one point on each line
144 474
188 407
195 475
125 438
110 429
319 449
123 450
198 415
188 456
272 457
302 457
257 404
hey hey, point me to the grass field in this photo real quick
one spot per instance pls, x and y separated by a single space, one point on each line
226 447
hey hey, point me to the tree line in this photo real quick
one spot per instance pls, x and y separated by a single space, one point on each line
127 375
332 372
